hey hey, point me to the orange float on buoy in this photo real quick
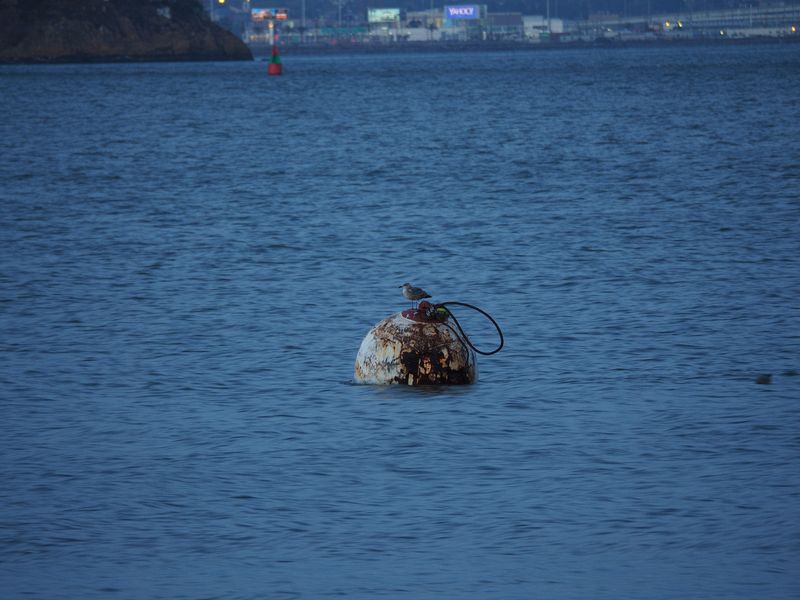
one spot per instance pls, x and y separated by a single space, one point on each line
275 67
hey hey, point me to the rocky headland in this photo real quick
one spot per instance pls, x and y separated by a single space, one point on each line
45 31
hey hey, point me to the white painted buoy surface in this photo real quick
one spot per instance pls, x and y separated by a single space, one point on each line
409 351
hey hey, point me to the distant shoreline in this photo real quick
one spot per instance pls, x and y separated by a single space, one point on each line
83 59
262 51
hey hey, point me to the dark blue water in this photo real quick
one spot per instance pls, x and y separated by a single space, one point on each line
191 254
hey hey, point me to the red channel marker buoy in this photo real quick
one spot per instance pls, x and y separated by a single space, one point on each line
275 67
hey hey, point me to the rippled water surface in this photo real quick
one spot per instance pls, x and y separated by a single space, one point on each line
191 254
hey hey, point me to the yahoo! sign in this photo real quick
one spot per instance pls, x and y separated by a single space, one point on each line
465 11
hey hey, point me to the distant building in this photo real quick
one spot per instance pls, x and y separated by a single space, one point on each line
505 26
384 24
424 25
538 27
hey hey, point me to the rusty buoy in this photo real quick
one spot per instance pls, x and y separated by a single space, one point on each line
415 347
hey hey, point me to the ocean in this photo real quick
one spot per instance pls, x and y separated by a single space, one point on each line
191 254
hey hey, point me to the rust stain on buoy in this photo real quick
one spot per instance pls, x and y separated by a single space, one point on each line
414 347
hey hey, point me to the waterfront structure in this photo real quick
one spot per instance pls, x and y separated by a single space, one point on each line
748 22
455 24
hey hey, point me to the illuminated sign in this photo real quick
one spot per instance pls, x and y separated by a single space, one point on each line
383 15
264 14
464 11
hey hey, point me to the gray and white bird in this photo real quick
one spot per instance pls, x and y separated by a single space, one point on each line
414 293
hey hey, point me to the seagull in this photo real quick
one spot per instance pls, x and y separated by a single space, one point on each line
414 293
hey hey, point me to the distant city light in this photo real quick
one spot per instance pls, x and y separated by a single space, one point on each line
666 24
794 28
680 24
